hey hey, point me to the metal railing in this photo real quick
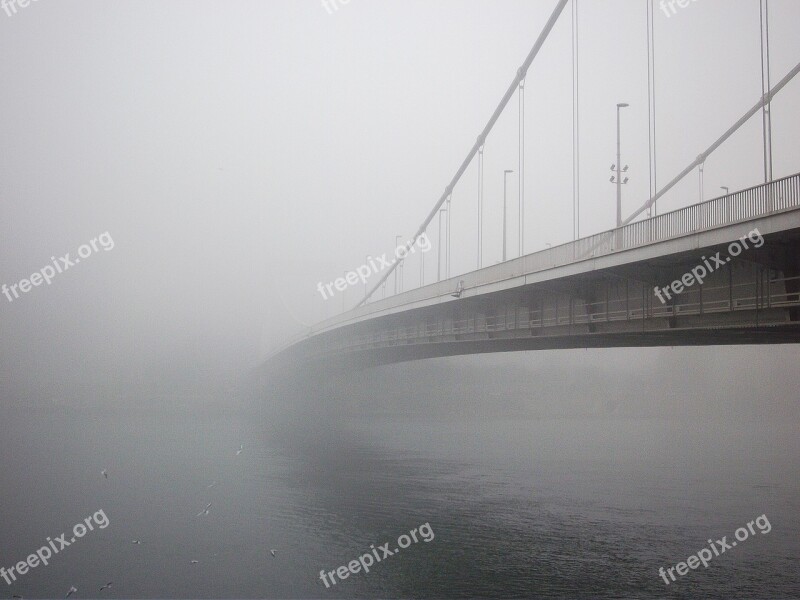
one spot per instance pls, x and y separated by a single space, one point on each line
779 195
776 196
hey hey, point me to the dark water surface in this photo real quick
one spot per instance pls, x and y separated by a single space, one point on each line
519 508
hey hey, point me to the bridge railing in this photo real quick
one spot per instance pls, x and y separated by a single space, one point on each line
776 196
779 195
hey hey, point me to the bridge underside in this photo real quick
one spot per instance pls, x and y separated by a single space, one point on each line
773 334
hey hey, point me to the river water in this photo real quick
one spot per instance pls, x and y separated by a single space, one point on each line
523 507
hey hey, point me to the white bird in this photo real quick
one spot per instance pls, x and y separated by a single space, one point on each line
71 591
205 510
108 585
135 542
194 562
272 552
104 473
212 485
239 451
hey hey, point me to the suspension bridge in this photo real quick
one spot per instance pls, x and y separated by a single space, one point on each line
595 291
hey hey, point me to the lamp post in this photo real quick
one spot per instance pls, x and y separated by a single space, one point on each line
726 188
619 167
505 190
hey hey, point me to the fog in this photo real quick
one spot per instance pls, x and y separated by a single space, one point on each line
238 153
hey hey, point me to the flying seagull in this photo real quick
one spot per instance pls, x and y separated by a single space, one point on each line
194 562
272 552
104 473
71 591
108 585
212 485
205 510
239 451
135 542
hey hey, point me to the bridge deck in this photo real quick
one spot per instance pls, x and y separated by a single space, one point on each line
564 291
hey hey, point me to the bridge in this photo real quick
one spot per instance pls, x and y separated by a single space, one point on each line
722 271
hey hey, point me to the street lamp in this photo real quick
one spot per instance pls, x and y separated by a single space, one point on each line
618 167
726 188
505 189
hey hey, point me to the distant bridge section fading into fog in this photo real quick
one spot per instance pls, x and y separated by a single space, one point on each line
595 292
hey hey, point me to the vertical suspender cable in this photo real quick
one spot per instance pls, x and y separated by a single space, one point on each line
447 234
766 111
769 84
766 115
763 85
439 249
422 269
576 158
522 167
650 97
701 167
480 207
651 104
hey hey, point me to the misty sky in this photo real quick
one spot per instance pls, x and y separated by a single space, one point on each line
239 152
